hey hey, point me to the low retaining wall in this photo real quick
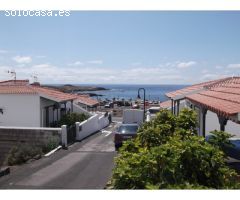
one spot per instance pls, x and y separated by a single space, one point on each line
13 136
91 125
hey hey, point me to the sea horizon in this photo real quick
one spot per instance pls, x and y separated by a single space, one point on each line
130 91
94 84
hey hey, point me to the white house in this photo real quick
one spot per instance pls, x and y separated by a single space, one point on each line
86 102
216 102
30 105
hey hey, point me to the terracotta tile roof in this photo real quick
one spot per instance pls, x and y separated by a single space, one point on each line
165 104
23 87
191 89
84 99
222 98
14 82
53 94
13 89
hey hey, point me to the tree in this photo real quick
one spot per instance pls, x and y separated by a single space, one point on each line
191 163
187 120
167 154
220 139
157 131
70 118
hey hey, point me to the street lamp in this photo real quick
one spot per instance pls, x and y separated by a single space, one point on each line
143 100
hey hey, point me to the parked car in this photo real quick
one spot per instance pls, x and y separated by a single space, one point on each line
155 102
154 110
232 151
124 132
135 106
109 105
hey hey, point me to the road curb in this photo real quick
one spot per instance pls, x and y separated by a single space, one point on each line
53 151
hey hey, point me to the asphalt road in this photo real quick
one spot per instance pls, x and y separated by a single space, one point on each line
85 165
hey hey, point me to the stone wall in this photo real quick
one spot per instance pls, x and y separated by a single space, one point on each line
14 136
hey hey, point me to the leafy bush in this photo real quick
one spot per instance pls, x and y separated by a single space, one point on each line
51 144
157 131
220 139
191 163
187 120
132 146
167 154
70 118
22 153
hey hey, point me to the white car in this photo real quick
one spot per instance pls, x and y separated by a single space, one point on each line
154 110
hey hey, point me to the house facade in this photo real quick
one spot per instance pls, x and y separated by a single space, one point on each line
31 105
87 103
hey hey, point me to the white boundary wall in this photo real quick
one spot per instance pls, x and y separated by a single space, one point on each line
91 125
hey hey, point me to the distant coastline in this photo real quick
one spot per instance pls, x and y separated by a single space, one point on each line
68 88
118 91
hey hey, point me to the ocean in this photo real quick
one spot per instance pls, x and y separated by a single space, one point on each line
120 91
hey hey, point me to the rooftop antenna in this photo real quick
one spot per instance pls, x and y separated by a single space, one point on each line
35 78
13 73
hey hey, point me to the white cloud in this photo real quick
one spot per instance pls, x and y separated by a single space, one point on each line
136 64
41 56
182 65
165 73
219 67
48 73
22 59
169 64
207 77
205 71
233 66
77 63
3 51
97 62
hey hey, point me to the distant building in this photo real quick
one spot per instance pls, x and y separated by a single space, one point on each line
31 105
216 102
87 102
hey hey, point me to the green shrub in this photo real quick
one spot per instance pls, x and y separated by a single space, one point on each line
70 118
190 163
157 131
132 146
52 143
220 139
22 153
167 154
187 120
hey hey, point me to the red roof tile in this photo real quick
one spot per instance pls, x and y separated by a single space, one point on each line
14 82
13 89
23 87
222 97
87 100
165 104
190 89
54 94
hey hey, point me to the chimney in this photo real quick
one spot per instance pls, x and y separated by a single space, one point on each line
35 84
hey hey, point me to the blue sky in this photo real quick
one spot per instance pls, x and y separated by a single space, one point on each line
122 47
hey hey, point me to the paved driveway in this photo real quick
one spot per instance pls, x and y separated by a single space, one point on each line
85 165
